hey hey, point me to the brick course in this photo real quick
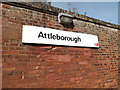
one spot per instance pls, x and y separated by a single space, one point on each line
47 66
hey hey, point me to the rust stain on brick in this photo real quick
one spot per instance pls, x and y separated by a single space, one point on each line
5 6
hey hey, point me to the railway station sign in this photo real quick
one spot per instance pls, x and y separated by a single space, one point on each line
41 35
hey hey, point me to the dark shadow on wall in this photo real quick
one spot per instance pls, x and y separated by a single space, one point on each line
44 45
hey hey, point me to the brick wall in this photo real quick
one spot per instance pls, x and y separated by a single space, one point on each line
46 66
0 48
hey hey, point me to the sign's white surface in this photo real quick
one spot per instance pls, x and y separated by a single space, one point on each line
41 35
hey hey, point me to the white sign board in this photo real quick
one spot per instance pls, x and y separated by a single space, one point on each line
41 35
